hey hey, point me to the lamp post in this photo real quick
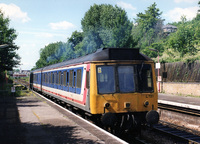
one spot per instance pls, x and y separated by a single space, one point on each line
158 67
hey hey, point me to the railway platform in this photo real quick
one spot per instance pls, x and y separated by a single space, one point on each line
182 101
33 120
29 120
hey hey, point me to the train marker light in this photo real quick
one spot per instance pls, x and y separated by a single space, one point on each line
146 103
127 105
107 105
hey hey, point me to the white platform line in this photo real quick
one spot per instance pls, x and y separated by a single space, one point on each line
179 104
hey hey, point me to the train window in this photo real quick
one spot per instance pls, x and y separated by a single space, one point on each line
67 78
55 78
64 77
74 82
46 78
59 78
71 77
126 79
52 78
145 81
79 78
49 78
87 79
106 79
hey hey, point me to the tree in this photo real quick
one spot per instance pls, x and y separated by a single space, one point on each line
8 56
148 27
75 38
54 53
183 40
105 26
47 55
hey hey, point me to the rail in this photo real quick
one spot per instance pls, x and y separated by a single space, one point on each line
177 133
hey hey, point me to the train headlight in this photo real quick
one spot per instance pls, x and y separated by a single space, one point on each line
127 105
107 105
146 103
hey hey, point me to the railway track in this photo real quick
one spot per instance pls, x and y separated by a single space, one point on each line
176 132
181 133
189 111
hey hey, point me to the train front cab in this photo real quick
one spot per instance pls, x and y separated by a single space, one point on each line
124 88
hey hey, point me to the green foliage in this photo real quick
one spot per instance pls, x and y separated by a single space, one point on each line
54 53
108 26
148 28
105 26
8 56
184 45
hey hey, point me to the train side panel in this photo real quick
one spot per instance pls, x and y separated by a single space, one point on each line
69 84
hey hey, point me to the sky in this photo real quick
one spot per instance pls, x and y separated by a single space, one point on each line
41 22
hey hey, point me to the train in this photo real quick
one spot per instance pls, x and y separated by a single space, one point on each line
116 86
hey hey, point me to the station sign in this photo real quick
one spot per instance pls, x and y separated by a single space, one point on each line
157 65
159 78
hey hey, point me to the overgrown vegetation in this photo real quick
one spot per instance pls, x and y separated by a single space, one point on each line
8 55
108 26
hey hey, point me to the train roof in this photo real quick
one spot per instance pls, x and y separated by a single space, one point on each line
102 55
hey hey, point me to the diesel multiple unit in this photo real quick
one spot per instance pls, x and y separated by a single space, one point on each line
115 85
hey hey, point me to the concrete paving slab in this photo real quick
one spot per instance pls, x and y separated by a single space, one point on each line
44 124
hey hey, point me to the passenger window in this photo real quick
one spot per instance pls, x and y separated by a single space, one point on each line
52 78
74 84
87 79
62 78
49 78
71 78
65 77
46 78
59 78
79 78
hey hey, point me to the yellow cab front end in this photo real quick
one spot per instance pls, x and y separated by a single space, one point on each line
121 87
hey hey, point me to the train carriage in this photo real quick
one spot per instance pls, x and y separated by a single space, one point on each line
116 84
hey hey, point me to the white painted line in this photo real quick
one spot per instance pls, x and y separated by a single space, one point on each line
107 133
180 104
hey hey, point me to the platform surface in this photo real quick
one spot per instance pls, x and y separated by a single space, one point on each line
177 99
30 120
